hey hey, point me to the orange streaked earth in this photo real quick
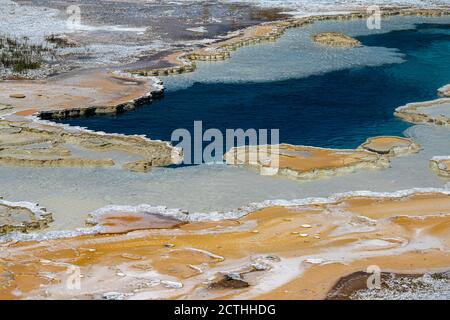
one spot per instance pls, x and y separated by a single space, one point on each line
277 252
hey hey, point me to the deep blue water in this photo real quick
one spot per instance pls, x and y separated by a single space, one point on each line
338 109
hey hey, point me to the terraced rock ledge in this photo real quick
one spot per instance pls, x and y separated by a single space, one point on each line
307 163
434 112
22 217
31 144
27 140
441 165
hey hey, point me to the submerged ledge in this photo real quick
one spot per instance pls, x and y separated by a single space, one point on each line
335 39
441 165
22 217
312 240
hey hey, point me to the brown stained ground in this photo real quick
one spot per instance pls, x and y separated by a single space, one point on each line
403 235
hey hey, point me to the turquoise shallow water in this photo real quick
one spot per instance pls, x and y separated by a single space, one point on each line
339 108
